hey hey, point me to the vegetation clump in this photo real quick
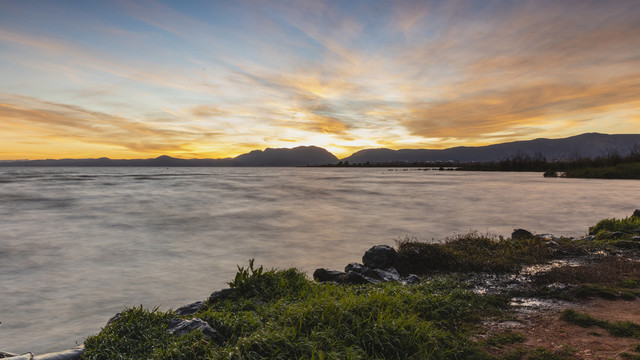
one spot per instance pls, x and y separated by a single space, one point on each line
476 252
279 314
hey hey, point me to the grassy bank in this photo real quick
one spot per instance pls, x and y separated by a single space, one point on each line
281 314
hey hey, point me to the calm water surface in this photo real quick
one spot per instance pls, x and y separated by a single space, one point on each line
77 245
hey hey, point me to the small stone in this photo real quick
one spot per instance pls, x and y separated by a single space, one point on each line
521 234
411 279
190 309
221 295
588 238
182 327
380 257
324 275
114 318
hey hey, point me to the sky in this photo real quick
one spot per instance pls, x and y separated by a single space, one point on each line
215 79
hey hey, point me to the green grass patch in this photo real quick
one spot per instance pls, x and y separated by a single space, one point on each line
620 171
505 338
607 228
540 353
619 328
626 355
279 314
477 252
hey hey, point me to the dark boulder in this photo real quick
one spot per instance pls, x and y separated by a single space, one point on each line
389 274
222 295
380 257
190 309
182 327
636 213
355 278
521 234
355 267
324 275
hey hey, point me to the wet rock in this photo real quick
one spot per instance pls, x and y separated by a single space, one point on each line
190 309
221 295
114 318
521 234
182 327
355 278
380 257
411 279
324 275
355 267
386 275
549 237
69 354
636 213
615 235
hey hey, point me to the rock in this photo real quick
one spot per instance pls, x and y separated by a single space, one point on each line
380 257
521 234
221 295
589 238
324 275
635 238
411 279
182 327
191 308
549 237
355 267
615 235
355 278
636 213
113 318
69 354
386 275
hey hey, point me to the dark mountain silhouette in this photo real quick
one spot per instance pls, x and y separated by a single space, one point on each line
581 146
586 145
299 156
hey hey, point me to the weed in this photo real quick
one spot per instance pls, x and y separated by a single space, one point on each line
543 354
506 338
279 314
620 328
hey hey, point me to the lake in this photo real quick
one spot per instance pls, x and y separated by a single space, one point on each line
78 245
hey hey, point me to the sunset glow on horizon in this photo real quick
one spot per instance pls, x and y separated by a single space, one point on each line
215 79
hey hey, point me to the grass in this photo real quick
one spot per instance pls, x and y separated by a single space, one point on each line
505 338
609 277
619 171
279 314
619 328
476 252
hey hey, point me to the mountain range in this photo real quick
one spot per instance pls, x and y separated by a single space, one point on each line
585 145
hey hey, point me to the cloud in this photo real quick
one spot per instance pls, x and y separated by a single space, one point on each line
63 122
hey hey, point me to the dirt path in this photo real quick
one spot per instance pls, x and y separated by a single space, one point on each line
543 328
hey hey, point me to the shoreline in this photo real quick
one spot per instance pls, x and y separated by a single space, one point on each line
522 277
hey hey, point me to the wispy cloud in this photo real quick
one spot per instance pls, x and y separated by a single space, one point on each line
220 78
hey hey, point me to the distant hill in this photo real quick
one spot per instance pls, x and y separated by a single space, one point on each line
299 156
586 145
